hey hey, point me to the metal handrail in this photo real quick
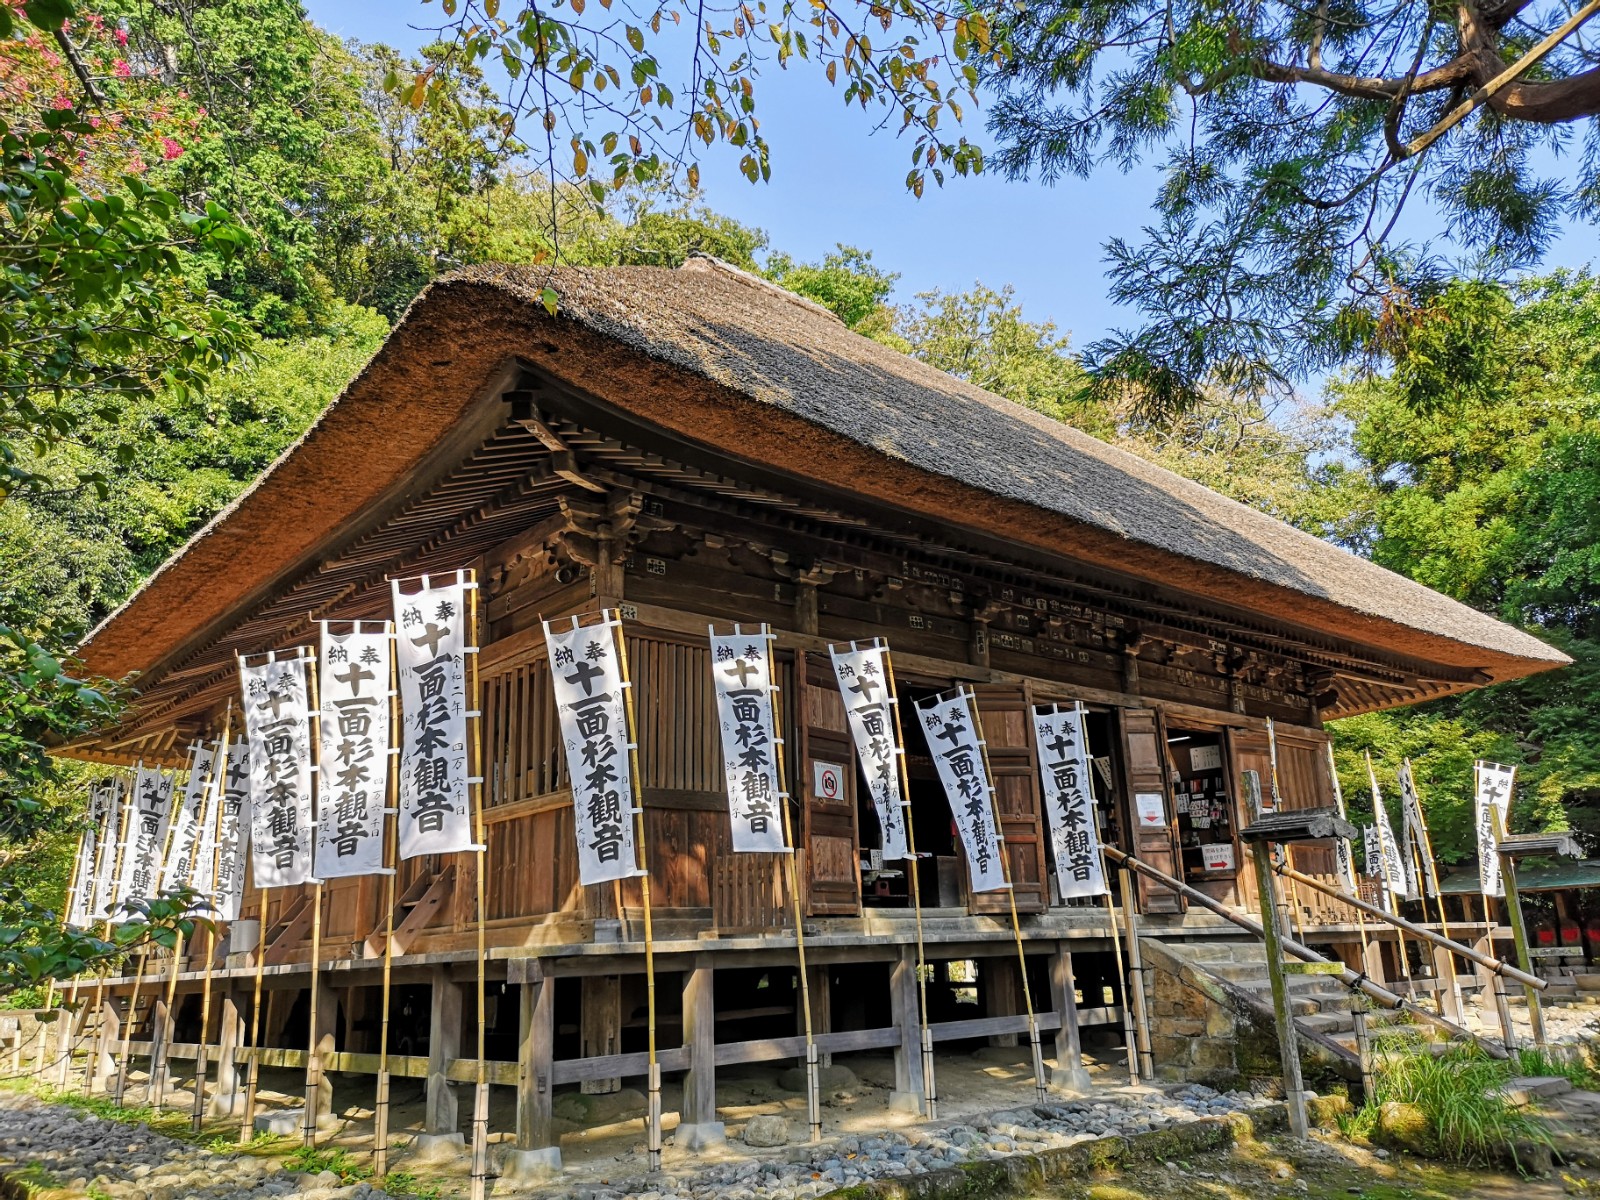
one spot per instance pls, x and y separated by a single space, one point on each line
1487 961
1351 979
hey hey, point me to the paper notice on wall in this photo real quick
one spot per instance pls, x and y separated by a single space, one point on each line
1151 810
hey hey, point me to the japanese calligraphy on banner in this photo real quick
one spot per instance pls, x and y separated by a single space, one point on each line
1069 801
741 673
1416 832
353 692
1491 802
81 911
869 703
203 876
1398 878
178 870
952 733
278 726
586 671
233 832
431 648
145 833
107 869
1345 857
1373 852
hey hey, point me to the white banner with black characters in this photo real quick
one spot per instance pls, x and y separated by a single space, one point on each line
586 672
431 648
869 704
1373 852
81 910
1069 801
353 763
178 870
203 875
1398 877
741 674
146 833
1491 803
233 832
1416 831
1345 858
952 734
277 721
108 867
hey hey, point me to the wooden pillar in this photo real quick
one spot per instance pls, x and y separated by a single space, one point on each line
1443 973
1288 1042
600 1025
229 1038
444 1044
821 1010
327 1041
160 1043
105 1063
1374 961
1002 993
907 1094
698 1126
537 1153
1069 1073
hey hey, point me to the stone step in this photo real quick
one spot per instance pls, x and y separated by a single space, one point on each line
1329 1023
1526 1088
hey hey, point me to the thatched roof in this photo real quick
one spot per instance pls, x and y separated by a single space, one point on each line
718 358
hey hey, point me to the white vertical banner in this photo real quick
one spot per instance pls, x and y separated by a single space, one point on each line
1344 853
1069 801
178 869
353 763
741 675
1416 830
233 831
203 875
80 909
586 674
1373 852
277 721
431 648
952 734
1491 803
150 809
106 869
869 704
1399 877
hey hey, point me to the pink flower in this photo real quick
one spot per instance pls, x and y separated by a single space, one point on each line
200 113
121 69
63 102
170 149
122 36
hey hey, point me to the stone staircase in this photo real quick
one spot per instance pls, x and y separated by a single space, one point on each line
1224 978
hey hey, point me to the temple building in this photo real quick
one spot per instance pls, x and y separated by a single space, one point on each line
693 447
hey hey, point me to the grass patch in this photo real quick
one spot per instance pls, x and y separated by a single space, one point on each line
404 1183
1454 1094
309 1160
1578 1072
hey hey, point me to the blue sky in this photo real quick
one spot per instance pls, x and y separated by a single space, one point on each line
834 181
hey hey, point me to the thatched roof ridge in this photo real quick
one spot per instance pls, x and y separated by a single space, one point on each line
719 357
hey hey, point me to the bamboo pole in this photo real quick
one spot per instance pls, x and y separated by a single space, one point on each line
1519 933
160 1065
1277 806
1338 801
1422 933
1041 1086
480 1095
127 1028
930 1093
380 1113
653 1117
105 935
201 1064
1432 880
308 1127
247 1126
813 1084
65 1032
1129 1035
1388 883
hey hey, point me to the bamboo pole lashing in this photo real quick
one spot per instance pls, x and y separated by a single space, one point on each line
480 1095
201 1066
1041 1085
308 1127
930 1091
813 1085
380 1113
653 1116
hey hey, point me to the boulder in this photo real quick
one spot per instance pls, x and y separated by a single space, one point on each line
1403 1126
766 1131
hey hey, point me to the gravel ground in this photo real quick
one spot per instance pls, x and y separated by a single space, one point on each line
796 1173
